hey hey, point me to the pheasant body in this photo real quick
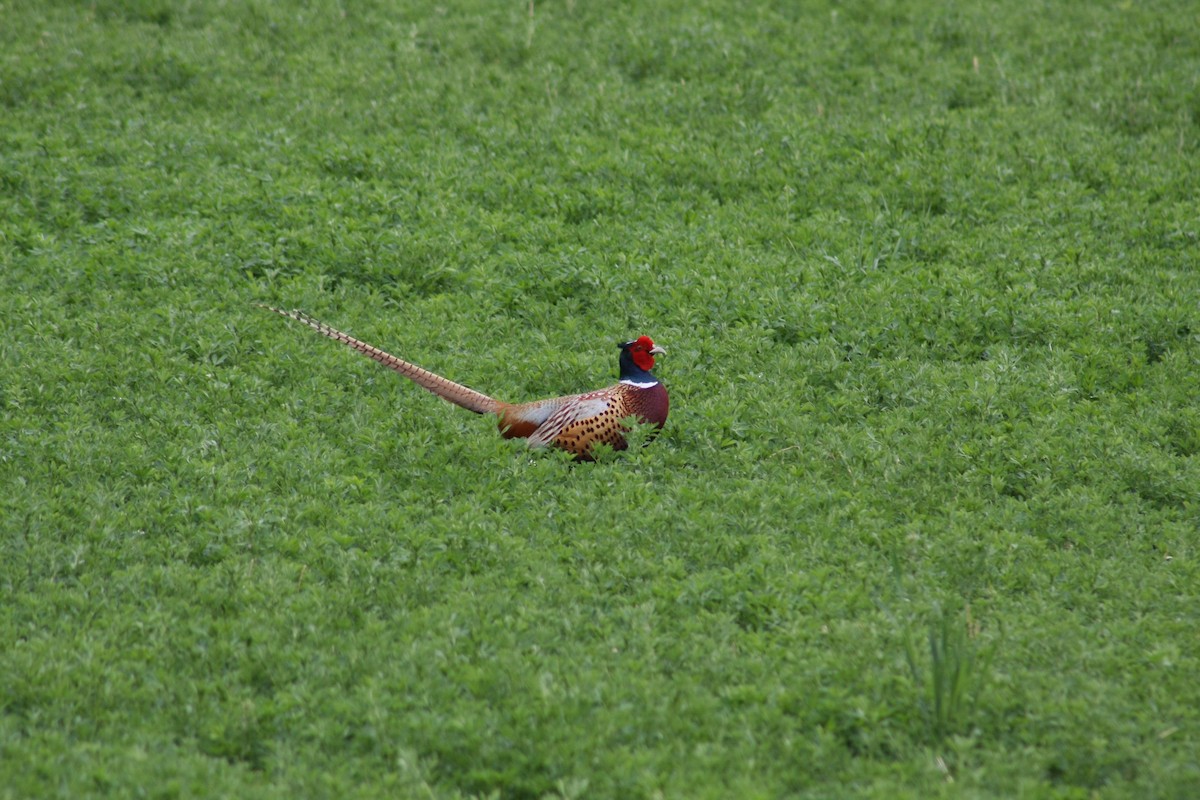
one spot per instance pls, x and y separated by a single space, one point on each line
574 423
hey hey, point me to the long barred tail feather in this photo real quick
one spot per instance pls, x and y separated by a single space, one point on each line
446 389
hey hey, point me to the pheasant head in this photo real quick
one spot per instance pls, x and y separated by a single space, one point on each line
637 359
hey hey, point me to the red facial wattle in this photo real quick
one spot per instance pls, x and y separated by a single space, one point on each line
641 353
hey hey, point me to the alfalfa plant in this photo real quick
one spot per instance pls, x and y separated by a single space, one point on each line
950 680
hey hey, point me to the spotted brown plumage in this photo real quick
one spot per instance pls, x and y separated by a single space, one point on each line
574 423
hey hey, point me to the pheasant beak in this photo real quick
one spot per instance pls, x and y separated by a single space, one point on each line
658 351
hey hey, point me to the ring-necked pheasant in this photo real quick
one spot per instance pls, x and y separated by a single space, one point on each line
574 422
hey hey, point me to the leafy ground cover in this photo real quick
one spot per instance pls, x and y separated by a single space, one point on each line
923 521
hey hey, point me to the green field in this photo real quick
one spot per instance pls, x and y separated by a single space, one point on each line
924 521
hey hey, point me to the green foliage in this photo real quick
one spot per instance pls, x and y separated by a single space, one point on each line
927 278
949 680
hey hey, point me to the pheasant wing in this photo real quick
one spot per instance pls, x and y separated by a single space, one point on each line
582 420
